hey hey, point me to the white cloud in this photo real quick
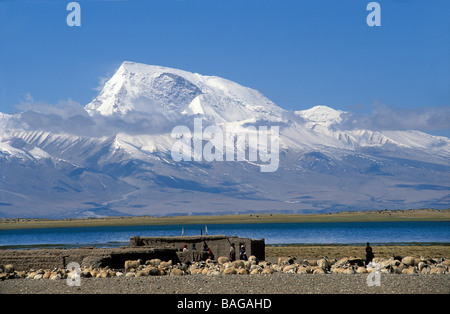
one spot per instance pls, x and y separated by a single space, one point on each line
384 117
68 116
64 108
28 97
101 83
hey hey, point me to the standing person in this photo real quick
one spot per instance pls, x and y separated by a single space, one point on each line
232 252
369 253
207 249
242 253
210 253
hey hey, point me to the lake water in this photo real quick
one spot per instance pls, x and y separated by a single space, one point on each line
273 233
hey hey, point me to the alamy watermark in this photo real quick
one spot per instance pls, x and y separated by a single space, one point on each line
374 17
214 143
74 17
74 274
374 278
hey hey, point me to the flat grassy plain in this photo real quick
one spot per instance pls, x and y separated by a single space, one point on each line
376 215
340 251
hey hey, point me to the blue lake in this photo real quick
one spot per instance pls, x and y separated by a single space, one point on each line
273 233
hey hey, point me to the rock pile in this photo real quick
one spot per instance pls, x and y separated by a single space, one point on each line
223 266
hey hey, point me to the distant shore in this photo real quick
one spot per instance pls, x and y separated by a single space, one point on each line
344 216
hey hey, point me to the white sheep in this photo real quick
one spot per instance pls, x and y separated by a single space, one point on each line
318 270
238 264
408 261
132 265
323 263
267 271
410 270
165 264
222 260
303 269
282 261
229 271
153 262
437 270
361 270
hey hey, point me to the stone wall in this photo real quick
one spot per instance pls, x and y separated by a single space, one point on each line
95 257
219 244
145 248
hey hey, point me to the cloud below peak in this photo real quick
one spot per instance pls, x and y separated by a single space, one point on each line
383 117
68 116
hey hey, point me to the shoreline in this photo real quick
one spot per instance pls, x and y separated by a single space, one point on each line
344 216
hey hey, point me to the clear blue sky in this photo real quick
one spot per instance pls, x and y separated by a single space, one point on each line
298 53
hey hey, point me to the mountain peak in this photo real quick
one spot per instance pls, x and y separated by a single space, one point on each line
321 115
142 68
137 87
144 88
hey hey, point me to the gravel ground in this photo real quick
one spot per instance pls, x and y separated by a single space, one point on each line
277 283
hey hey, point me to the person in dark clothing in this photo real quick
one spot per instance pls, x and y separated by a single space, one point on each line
369 253
210 253
232 252
207 249
242 253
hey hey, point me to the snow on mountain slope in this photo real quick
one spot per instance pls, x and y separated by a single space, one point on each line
173 93
120 162
322 115
325 120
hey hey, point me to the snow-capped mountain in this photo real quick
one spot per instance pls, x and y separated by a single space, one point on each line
155 89
115 156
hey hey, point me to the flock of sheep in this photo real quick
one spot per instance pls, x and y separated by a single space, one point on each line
223 266
406 265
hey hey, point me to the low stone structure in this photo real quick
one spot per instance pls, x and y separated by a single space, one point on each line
145 248
219 245
86 257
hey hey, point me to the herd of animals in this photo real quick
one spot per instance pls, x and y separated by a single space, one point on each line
251 266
